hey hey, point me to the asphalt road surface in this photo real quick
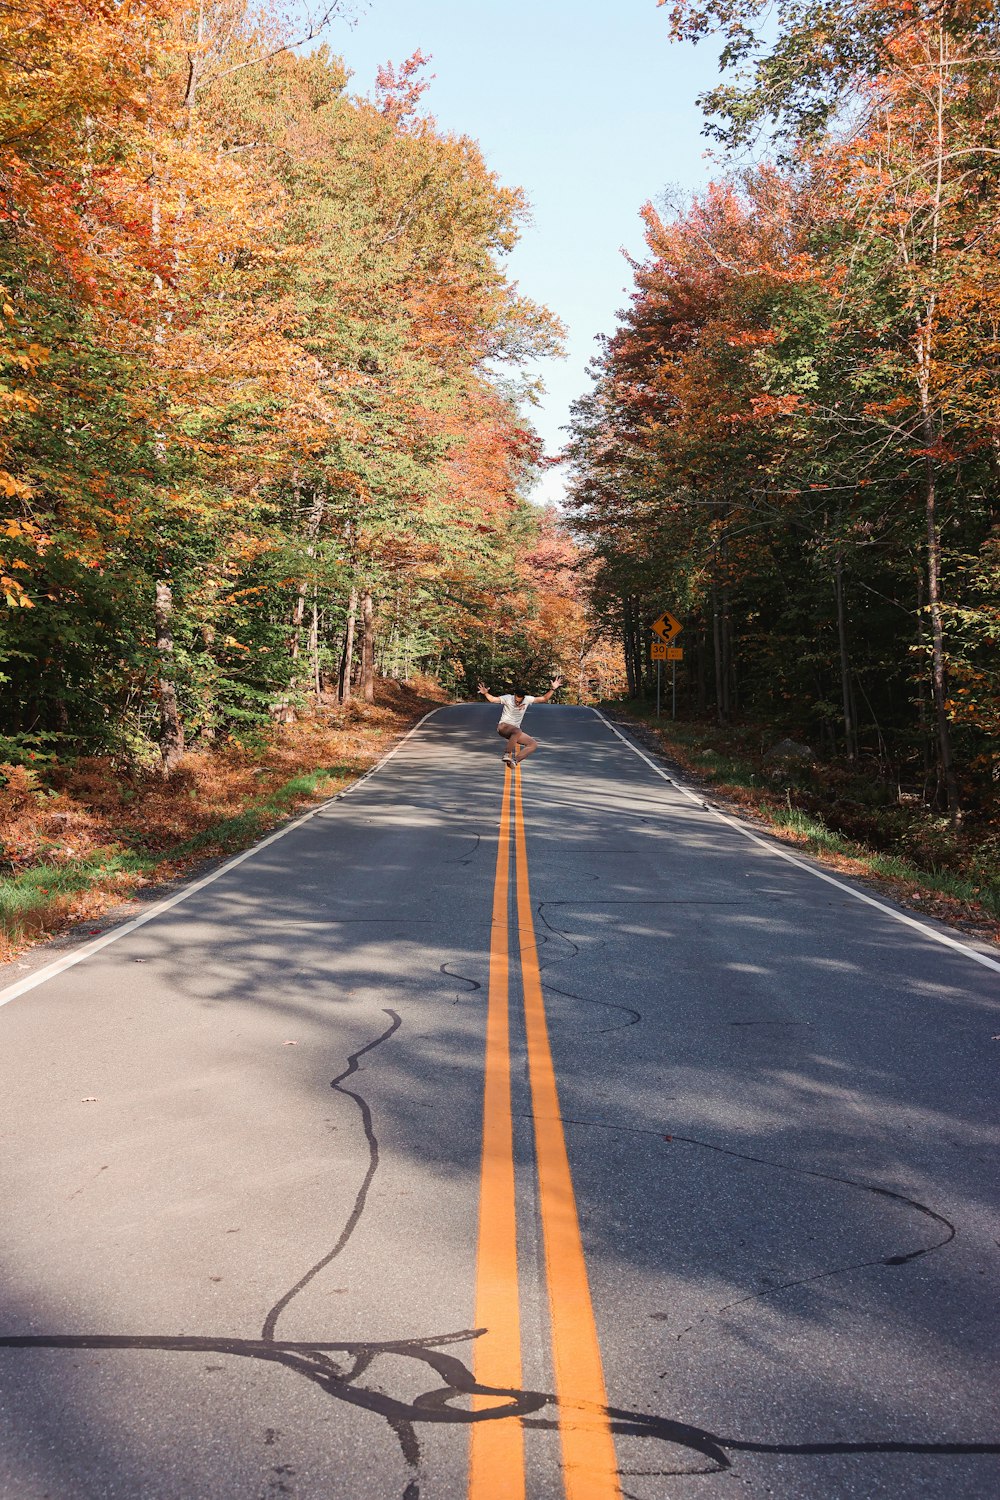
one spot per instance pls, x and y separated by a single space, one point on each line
489 1136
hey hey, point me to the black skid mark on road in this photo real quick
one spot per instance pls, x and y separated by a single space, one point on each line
716 1448
634 1016
470 854
901 1259
453 974
557 931
403 1429
270 1322
852 1182
312 1360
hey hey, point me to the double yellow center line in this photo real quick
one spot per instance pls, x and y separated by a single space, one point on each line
497 1456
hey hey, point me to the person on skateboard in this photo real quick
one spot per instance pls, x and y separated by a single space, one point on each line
514 707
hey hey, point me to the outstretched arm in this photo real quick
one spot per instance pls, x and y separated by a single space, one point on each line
487 694
557 683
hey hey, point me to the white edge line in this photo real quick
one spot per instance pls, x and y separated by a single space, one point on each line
60 965
921 927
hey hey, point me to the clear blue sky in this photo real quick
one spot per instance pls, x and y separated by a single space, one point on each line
587 106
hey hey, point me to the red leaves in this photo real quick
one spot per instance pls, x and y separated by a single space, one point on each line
398 91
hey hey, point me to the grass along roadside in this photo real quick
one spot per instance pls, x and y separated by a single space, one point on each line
962 888
78 840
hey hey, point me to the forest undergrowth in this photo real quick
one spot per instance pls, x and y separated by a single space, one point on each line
848 816
79 838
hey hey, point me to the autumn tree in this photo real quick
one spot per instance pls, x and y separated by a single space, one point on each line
253 424
897 102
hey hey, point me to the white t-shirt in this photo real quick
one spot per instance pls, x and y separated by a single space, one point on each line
513 712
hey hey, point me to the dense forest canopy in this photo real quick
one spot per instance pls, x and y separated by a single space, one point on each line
262 402
793 436
260 420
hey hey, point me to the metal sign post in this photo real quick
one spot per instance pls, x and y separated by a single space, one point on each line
658 653
674 655
666 628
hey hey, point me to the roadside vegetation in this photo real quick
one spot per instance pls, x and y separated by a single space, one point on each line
792 437
265 442
264 395
843 813
81 838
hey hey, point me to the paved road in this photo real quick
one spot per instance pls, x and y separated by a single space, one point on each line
723 1220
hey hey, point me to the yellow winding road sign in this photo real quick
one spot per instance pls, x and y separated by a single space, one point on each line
666 627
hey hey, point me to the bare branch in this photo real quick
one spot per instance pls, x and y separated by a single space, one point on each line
313 32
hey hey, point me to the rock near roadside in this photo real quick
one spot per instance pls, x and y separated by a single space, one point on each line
786 750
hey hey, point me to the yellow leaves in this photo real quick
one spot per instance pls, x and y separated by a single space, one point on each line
14 489
18 399
14 593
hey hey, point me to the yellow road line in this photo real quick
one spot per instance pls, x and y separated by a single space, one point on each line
590 1470
496 1461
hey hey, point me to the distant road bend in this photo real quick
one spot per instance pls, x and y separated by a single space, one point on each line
483 1135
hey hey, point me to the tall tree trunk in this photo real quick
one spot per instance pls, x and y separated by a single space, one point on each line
207 730
926 745
298 615
937 636
347 660
171 728
367 647
728 663
283 711
924 345
627 650
845 661
638 665
720 691
194 69
314 646
313 523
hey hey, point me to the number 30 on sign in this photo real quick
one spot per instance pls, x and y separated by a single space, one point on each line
658 651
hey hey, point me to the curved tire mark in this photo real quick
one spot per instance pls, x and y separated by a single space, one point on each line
629 1010
635 1016
270 1322
472 983
900 1259
311 1360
